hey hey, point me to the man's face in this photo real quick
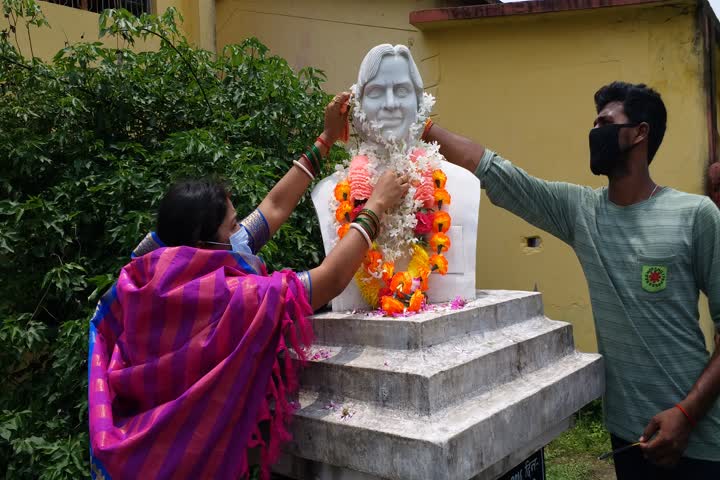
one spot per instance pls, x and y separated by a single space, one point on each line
608 145
613 112
389 98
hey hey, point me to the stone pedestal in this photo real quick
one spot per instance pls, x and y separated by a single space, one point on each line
449 395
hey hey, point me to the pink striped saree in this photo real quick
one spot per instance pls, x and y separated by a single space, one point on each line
186 364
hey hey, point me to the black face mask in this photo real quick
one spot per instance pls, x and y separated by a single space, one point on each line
606 156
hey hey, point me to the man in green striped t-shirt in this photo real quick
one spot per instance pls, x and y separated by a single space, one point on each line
646 250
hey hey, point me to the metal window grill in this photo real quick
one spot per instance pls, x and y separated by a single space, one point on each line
137 7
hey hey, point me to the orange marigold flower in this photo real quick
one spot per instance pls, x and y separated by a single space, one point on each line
342 191
439 263
373 260
439 243
424 275
388 270
342 214
439 178
391 305
441 222
342 230
402 282
442 197
416 301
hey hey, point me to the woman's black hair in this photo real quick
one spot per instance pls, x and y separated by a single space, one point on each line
191 212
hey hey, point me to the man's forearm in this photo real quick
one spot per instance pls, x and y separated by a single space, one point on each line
706 390
455 148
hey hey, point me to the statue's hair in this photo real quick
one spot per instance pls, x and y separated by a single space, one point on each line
371 64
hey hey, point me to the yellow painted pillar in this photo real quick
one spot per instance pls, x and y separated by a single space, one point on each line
206 24
198 20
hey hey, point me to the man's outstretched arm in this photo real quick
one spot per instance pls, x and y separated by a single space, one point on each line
455 148
550 206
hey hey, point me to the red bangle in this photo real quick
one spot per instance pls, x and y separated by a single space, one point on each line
428 126
690 419
319 139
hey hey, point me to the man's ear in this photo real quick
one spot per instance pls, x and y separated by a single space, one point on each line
642 133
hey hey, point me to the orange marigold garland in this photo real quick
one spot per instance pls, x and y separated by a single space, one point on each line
380 285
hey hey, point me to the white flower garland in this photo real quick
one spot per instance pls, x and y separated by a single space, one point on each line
397 226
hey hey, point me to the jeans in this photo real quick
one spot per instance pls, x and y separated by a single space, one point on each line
631 465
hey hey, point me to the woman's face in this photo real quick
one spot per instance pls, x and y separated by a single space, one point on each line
229 226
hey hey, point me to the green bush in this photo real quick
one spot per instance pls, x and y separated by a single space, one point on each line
88 145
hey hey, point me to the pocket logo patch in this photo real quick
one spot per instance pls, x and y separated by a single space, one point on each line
654 278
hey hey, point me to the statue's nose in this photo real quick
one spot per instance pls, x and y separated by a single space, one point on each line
390 100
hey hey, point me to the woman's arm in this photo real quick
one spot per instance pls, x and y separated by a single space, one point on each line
331 277
277 206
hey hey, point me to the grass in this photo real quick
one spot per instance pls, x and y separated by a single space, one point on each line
573 455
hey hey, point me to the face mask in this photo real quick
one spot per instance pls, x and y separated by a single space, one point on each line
606 156
238 242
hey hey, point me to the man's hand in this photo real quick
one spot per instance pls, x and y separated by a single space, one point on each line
672 431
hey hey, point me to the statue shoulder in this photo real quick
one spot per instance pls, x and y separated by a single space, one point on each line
324 188
456 174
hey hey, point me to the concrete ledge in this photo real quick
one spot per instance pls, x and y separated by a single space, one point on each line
491 310
454 444
523 452
435 17
295 467
427 380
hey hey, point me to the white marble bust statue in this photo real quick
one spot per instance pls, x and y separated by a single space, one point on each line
389 113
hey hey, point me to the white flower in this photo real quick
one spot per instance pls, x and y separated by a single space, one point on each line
397 225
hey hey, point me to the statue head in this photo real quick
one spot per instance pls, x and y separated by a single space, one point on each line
390 90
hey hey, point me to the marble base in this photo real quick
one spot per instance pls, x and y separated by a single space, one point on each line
456 394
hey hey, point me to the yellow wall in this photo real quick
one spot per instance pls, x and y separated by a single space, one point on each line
331 35
524 86
73 25
199 20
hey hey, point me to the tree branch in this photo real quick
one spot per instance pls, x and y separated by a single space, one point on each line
29 68
185 61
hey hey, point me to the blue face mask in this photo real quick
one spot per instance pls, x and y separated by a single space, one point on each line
239 242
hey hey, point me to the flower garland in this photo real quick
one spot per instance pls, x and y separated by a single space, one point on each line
417 227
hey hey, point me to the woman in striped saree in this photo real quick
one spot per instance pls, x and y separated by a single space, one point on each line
188 363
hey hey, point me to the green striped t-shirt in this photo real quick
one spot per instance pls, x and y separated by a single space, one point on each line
645 265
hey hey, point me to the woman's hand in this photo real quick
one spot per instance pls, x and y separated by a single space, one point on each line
389 190
338 268
336 117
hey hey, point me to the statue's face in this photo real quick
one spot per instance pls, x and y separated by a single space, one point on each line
389 98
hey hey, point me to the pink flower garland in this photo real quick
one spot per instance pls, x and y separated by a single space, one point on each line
359 178
425 192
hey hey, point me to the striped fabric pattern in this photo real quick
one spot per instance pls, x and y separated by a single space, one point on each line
184 364
645 265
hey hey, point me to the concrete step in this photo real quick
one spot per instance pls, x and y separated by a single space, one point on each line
309 469
454 443
491 310
429 379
